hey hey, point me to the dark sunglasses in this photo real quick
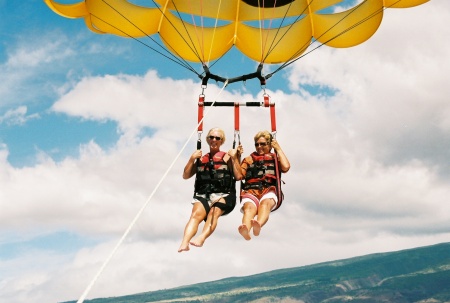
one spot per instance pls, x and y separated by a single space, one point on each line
260 144
214 137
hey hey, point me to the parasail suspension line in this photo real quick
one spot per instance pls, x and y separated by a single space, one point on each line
301 49
215 29
169 55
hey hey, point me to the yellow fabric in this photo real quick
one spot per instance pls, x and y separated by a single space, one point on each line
330 26
77 10
286 41
239 25
203 43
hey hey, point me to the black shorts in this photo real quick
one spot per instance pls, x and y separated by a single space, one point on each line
227 207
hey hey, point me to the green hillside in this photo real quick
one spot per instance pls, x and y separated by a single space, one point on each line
415 275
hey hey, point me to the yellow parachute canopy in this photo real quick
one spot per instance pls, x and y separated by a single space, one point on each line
242 23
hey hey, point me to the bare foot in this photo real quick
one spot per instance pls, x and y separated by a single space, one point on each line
198 242
256 227
183 248
244 232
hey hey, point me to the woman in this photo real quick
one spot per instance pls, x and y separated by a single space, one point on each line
215 188
260 191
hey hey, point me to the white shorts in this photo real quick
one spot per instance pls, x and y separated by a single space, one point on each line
255 201
214 197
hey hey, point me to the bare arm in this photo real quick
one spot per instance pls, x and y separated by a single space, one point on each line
190 168
282 159
235 157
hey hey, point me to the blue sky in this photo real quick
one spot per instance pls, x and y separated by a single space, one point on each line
89 124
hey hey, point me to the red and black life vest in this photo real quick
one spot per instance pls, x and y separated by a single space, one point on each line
213 175
263 172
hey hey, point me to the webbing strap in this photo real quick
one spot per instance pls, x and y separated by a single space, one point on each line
273 121
272 118
201 106
237 104
279 191
236 116
236 124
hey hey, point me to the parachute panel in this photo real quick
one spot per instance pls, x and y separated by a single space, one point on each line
201 31
295 8
223 10
274 45
193 43
351 27
123 18
240 11
72 11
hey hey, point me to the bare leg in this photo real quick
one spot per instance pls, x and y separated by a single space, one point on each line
250 211
265 206
197 215
210 225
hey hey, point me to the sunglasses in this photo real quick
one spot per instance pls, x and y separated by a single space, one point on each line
260 144
215 138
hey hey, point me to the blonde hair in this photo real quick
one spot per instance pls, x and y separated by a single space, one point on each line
219 130
264 134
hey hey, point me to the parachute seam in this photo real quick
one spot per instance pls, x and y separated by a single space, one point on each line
214 32
236 21
272 45
264 44
193 48
310 16
200 38
162 14
260 28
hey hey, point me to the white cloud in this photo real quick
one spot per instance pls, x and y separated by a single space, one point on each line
17 116
392 85
368 171
25 65
34 66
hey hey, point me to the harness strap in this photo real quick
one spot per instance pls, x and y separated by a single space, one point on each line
279 192
201 103
236 124
268 103
272 118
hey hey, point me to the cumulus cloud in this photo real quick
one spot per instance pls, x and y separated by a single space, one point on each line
25 66
392 86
